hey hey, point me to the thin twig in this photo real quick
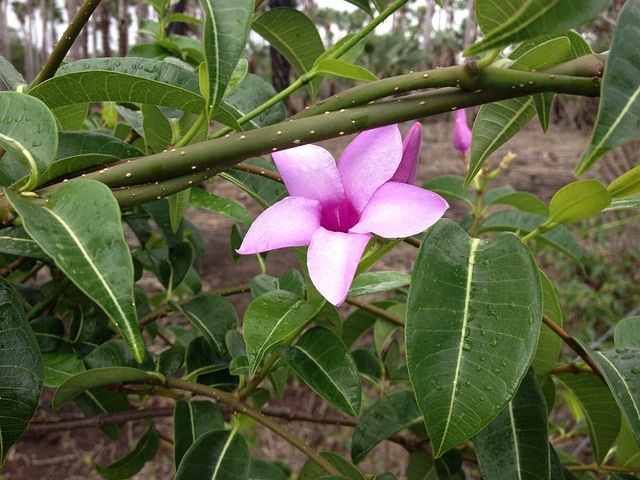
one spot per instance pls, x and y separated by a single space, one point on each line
377 310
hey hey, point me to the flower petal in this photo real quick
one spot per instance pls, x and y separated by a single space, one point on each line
408 168
290 222
461 132
332 260
369 160
310 171
400 210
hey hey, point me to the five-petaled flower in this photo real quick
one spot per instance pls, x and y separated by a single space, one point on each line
335 209
461 132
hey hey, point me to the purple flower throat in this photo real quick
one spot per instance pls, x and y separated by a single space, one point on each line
339 217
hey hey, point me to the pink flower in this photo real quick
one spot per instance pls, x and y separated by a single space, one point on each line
335 209
461 133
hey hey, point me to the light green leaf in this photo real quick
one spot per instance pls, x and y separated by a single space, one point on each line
238 74
132 462
157 129
473 316
627 332
272 318
618 119
494 125
546 54
251 93
340 68
138 80
524 201
71 117
628 203
28 132
599 408
295 36
178 204
387 416
516 444
80 229
97 377
374 282
323 362
11 78
450 186
513 21
578 200
216 455
60 366
226 30
21 369
191 420
208 201
312 471
549 343
626 184
627 447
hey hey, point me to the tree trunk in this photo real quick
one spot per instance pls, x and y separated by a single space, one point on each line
29 47
426 36
142 12
45 14
5 47
123 28
470 27
280 67
178 28
105 25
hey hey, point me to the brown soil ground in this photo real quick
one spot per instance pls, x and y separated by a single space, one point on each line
543 164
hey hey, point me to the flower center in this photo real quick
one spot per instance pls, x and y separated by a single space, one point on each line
339 217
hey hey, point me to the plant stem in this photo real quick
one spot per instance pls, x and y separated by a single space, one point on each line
376 310
237 405
66 41
248 389
51 297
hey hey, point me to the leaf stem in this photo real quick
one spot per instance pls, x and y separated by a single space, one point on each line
248 389
237 405
48 299
376 310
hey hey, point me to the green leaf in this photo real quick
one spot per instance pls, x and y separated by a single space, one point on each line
263 190
250 94
178 204
216 455
191 420
626 184
559 238
262 469
323 362
628 203
80 229
238 74
494 125
208 201
312 471
21 369
449 186
627 447
136 80
516 443
60 366
71 117
549 343
627 332
387 416
473 316
157 129
15 241
132 462
340 68
226 30
97 377
362 4
578 200
213 316
375 282
28 132
11 78
513 21
619 111
599 408
619 365
295 36
272 318
524 201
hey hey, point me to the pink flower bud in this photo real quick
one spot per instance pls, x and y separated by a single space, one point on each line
461 133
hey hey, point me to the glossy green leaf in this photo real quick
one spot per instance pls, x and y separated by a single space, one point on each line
171 360
524 201
97 377
387 416
374 282
549 343
60 366
512 21
619 111
516 444
84 142
191 420
627 332
295 36
157 129
627 447
137 80
250 94
226 30
560 238
312 470
599 408
324 363
262 469
178 204
28 132
132 462
272 318
473 316
578 200
213 316
11 78
80 229
15 241
494 125
208 201
626 184
21 369
450 186
103 400
340 68
114 353
216 455
71 117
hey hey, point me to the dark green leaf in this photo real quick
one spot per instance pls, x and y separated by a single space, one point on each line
15 241
157 129
473 317
80 229
208 201
375 282
21 370
71 117
49 332
216 455
312 470
103 400
516 443
133 461
191 420
60 366
171 360
250 94
11 78
114 353
263 190
323 362
549 343
267 470
449 186
578 200
387 416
